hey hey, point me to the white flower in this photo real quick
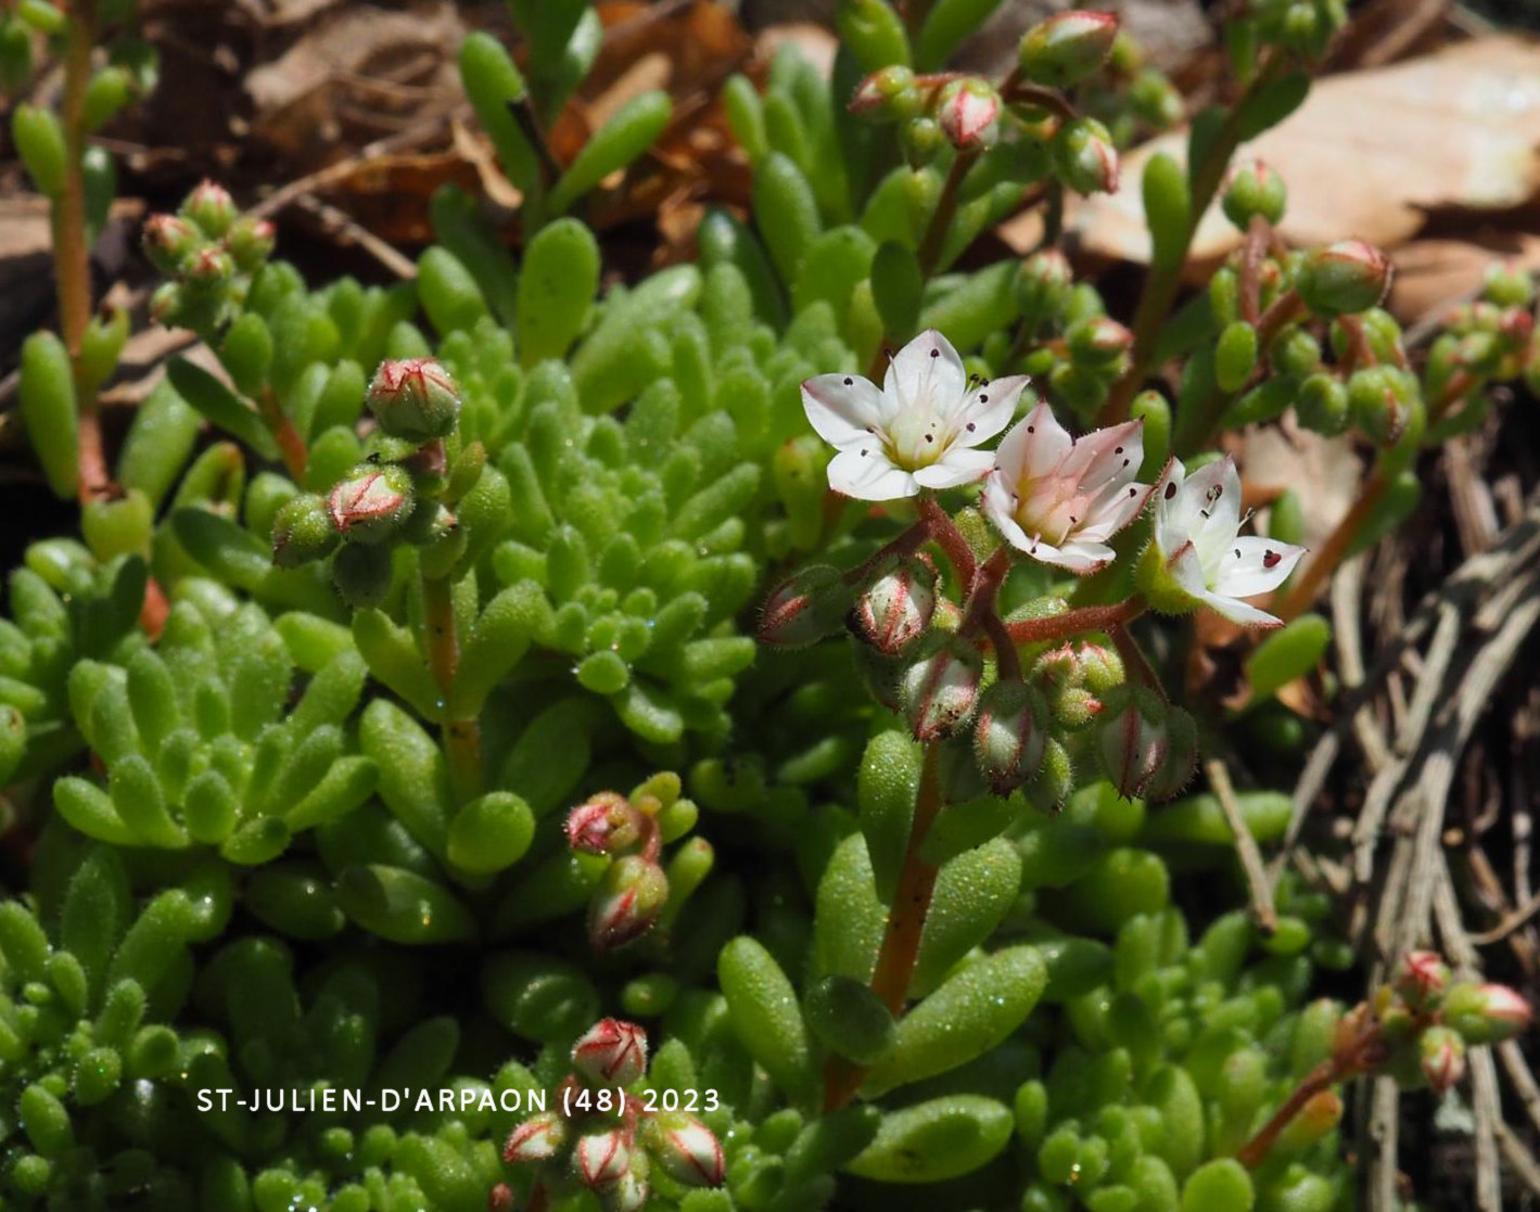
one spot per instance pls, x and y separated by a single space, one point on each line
919 431
1058 498
1197 519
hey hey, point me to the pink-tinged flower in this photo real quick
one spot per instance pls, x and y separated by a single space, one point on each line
370 503
414 398
897 608
968 111
920 430
1133 740
1506 1009
537 1139
1060 499
611 1053
1422 978
941 689
605 824
601 1159
805 608
1202 561
687 1149
627 903
1441 1056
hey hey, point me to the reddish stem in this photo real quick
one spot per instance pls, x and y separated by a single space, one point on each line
1298 597
940 527
906 543
946 208
1075 622
462 738
1134 660
290 444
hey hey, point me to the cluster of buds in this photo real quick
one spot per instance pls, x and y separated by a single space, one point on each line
1077 351
209 251
630 831
403 492
1427 1020
601 1136
969 113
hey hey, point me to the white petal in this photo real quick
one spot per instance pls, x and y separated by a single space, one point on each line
1169 533
1189 512
1255 565
988 409
842 408
958 466
927 369
998 504
1036 446
1117 513
1187 569
1239 612
869 477
1224 514
1076 556
1107 456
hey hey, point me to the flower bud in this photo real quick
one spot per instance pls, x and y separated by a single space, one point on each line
687 1149
601 1158
537 1139
208 267
168 241
1486 1014
211 207
1098 341
167 303
1508 285
1441 1056
1422 978
611 1053
1254 189
302 531
1132 739
500 1198
1155 99
1381 400
1074 678
889 95
1043 287
627 903
371 503
896 609
969 111
1085 157
1009 736
629 1192
606 824
414 398
940 690
250 242
1067 47
805 607
1348 276
1181 757
922 139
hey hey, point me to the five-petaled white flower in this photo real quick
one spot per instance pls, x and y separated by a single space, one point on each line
920 430
1197 520
1058 498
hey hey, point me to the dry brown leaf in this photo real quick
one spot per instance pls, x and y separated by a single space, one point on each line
1368 153
1431 274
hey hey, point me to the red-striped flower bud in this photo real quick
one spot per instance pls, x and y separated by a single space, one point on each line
687 1149
1441 1056
211 207
1348 276
889 95
1097 340
251 242
805 608
415 399
371 503
896 609
1422 978
1181 757
168 241
208 267
1132 740
968 111
537 1139
627 903
1485 1014
611 1053
1085 157
1067 47
601 1159
940 690
605 824
1010 734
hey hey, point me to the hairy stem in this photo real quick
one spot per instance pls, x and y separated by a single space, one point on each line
71 255
290 444
906 543
906 924
1134 660
462 738
940 527
1075 622
1162 283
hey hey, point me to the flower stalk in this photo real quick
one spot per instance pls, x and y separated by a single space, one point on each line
461 737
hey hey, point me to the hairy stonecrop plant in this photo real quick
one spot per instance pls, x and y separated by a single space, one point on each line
702 744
